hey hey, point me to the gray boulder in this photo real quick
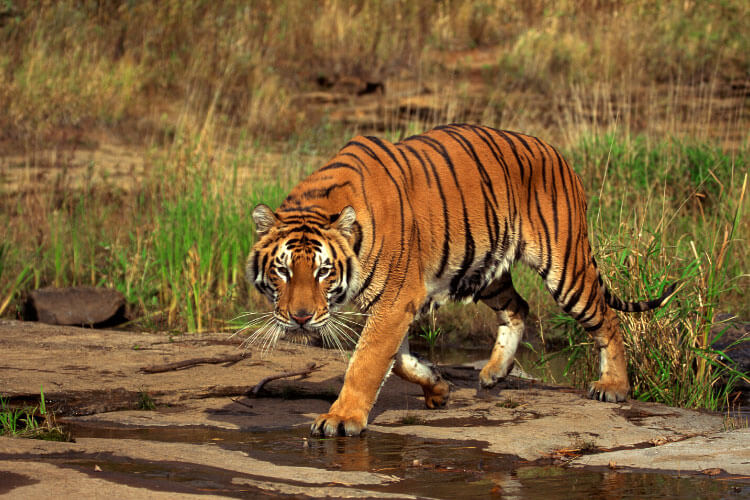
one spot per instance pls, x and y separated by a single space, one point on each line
80 306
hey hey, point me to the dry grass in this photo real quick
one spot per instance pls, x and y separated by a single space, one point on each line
147 70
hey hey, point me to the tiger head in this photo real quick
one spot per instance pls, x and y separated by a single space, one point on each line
305 265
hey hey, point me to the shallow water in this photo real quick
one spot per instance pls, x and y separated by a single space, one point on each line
429 468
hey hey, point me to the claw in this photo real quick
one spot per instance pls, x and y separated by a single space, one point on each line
610 393
331 424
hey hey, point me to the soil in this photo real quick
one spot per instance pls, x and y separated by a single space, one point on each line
207 437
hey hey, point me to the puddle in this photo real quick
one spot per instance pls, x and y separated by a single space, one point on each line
426 467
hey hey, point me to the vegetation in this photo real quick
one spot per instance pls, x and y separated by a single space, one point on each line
36 422
212 107
145 401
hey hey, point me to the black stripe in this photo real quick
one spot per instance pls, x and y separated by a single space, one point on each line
469 240
446 217
385 148
421 162
368 279
337 166
357 236
513 149
325 192
500 159
595 327
521 138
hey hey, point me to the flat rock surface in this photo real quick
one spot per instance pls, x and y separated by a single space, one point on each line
724 451
206 437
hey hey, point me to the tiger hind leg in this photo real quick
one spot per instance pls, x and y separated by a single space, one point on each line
577 290
511 311
612 385
410 368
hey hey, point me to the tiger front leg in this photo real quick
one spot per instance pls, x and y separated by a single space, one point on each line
370 363
410 368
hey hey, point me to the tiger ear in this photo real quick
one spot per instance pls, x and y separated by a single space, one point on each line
346 220
264 219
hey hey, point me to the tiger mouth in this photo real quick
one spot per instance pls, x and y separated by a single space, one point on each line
303 336
311 328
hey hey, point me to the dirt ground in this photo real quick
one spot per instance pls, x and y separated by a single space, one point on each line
95 381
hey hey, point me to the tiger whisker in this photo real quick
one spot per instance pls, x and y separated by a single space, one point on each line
331 337
259 316
270 338
327 337
347 320
265 332
353 313
340 332
346 327
250 324
252 313
247 327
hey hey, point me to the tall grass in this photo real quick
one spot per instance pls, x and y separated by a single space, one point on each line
175 244
192 260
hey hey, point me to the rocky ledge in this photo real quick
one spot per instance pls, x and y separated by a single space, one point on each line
206 436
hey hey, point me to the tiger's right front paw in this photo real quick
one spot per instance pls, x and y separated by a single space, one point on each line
337 423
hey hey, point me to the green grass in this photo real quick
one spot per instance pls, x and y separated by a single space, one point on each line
145 401
411 419
30 422
509 402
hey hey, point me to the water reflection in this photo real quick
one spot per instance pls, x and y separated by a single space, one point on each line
433 468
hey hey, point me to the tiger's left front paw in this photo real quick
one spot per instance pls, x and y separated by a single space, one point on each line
436 396
339 423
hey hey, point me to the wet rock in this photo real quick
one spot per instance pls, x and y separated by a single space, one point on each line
719 453
205 435
79 306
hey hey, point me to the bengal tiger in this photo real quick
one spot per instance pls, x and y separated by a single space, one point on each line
400 228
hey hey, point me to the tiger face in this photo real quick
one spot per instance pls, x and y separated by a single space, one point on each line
303 263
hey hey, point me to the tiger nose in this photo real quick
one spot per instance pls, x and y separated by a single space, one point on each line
301 317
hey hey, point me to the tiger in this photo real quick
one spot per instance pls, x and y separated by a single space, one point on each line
398 229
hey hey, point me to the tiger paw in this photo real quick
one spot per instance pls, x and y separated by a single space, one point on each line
611 392
491 374
339 424
437 395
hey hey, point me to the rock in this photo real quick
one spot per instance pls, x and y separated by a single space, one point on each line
79 306
204 435
715 454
